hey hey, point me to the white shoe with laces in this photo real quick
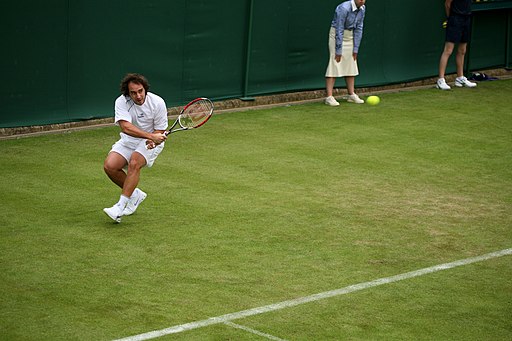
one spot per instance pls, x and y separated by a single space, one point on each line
331 101
134 202
441 84
354 99
115 212
463 81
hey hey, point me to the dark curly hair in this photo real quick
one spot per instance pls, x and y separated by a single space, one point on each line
135 78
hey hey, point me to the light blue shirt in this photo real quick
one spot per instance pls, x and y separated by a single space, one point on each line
348 17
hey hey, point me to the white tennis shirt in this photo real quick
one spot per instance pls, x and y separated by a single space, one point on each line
150 116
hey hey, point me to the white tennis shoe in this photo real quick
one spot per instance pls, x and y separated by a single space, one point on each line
441 84
331 101
463 81
134 202
354 99
115 212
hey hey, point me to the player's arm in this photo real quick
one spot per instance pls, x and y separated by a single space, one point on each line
340 27
447 6
358 36
157 136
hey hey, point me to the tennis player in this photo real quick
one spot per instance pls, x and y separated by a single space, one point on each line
344 39
142 117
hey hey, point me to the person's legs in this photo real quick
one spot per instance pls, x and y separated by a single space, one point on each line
329 85
329 89
352 96
331 69
461 80
350 80
113 167
443 62
142 157
445 56
459 59
137 161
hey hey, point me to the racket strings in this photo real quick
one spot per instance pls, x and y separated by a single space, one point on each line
196 114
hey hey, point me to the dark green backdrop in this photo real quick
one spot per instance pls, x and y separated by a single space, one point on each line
62 60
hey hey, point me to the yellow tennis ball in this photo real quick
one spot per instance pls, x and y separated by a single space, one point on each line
373 100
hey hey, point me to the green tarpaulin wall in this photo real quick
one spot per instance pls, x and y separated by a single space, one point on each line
62 60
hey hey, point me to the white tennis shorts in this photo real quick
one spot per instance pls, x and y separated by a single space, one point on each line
347 66
126 151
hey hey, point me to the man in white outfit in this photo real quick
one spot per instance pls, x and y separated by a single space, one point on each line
142 117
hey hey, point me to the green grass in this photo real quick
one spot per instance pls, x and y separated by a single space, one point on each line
264 206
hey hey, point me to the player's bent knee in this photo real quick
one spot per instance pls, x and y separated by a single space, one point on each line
136 163
107 168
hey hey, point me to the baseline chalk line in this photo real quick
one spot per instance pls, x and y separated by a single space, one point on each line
312 298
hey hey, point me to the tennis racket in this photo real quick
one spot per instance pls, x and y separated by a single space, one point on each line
193 115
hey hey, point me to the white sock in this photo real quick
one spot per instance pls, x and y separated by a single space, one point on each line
123 201
135 193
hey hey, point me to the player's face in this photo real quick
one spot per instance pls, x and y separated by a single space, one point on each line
137 93
359 3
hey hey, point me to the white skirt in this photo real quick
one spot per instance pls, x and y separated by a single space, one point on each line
347 66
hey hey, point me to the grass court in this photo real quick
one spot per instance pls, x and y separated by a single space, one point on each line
265 206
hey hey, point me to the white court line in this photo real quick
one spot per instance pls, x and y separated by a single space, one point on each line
254 331
312 298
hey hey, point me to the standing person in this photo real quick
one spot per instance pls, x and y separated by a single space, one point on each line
142 117
344 40
458 29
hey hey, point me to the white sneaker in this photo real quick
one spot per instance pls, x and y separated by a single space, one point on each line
331 101
115 212
441 84
134 202
463 81
354 99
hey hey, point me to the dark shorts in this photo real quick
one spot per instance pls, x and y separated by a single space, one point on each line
458 29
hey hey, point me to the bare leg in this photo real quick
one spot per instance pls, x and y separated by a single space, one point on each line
443 62
350 80
136 163
329 85
113 167
459 59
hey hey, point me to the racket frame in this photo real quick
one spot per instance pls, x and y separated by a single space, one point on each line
180 116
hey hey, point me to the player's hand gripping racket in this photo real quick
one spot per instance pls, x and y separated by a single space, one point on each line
193 115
